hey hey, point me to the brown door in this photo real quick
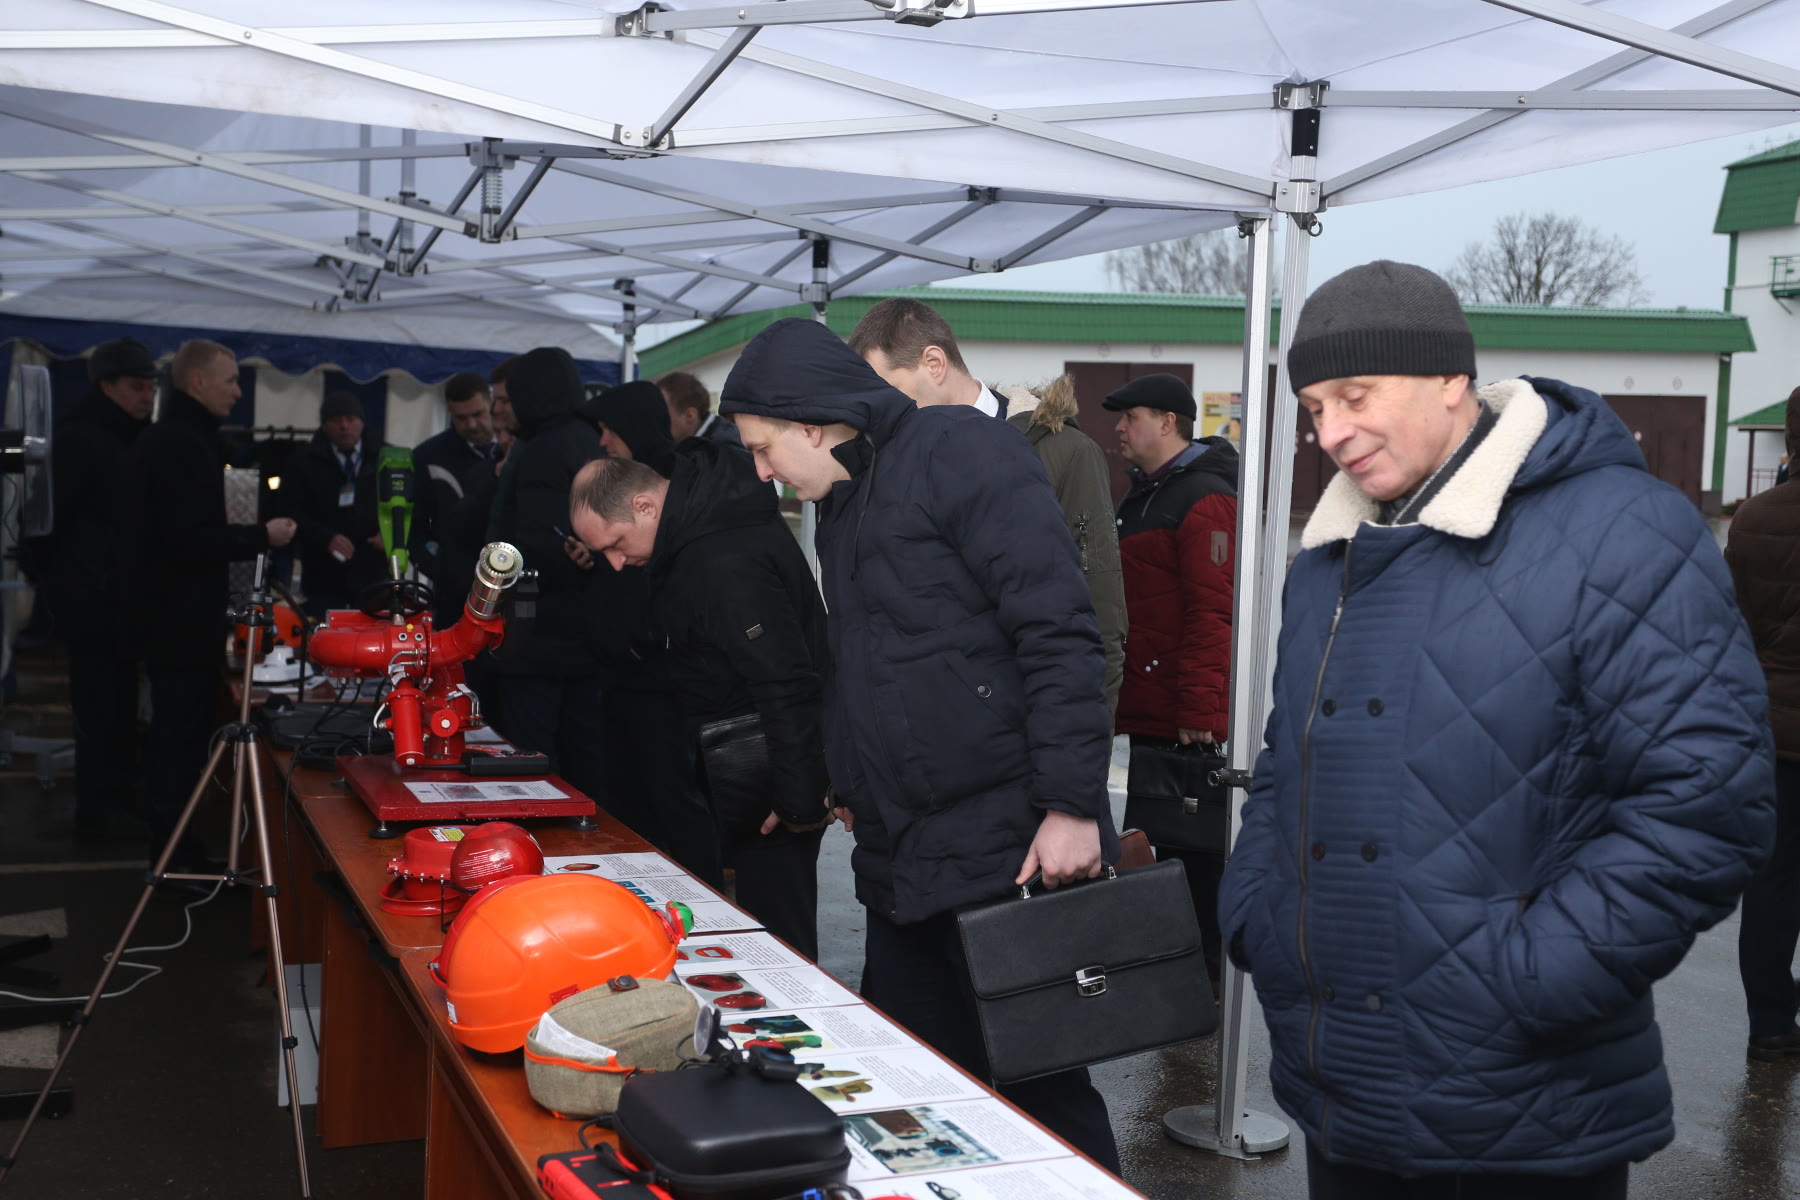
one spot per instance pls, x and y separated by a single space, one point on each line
1671 432
1093 381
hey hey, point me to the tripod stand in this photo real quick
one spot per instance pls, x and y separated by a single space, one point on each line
246 767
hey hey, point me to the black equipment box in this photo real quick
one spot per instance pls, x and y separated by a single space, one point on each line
719 1134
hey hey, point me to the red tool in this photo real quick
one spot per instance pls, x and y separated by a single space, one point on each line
429 707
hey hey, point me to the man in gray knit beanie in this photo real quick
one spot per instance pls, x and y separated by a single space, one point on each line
1518 757
1384 361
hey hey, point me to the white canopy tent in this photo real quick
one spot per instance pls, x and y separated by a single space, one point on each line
672 161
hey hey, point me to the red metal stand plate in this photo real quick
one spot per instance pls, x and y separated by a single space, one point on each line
380 783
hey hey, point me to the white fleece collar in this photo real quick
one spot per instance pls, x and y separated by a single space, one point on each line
1469 503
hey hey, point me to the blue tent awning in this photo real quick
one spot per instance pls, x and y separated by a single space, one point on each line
289 353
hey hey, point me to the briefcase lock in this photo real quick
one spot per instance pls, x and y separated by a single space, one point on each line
1091 981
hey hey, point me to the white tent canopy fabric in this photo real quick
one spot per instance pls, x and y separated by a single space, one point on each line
557 149
624 145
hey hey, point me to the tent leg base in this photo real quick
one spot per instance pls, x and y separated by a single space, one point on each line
1198 1126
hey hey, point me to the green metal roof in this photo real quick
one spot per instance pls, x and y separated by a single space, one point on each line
1761 192
980 314
1772 417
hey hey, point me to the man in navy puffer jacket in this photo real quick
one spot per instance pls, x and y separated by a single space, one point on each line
1519 757
965 720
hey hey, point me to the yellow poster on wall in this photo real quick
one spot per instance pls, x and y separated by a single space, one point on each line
1222 415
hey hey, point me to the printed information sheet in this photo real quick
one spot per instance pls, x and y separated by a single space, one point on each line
1057 1179
778 990
816 1033
614 866
508 789
934 1138
883 1079
733 952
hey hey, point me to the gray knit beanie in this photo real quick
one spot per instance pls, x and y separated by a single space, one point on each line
1382 318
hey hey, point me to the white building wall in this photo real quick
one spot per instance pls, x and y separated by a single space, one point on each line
1220 368
1767 374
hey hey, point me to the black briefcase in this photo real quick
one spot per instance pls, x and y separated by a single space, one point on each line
1087 973
734 755
1170 796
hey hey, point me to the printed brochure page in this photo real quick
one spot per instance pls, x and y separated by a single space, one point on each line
733 952
931 1139
464 793
1057 1179
884 1079
614 866
777 990
815 1033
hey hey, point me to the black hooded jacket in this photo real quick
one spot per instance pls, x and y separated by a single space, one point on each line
176 538
741 616
638 414
967 693
533 503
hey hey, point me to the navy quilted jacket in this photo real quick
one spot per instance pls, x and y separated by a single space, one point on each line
1519 756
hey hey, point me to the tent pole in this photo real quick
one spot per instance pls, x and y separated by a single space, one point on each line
820 296
627 331
1227 1127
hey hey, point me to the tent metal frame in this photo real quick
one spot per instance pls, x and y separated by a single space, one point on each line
1289 200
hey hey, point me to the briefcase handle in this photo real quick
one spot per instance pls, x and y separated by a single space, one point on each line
1025 888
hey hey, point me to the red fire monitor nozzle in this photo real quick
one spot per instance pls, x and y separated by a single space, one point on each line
429 707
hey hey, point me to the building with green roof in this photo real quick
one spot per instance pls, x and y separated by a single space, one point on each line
1759 211
1661 369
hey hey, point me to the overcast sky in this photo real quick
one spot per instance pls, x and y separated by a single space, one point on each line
1663 203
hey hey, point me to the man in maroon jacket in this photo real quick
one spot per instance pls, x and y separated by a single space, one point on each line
1177 535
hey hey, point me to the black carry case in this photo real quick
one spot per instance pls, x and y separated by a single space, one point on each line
1088 972
710 1133
739 780
1170 796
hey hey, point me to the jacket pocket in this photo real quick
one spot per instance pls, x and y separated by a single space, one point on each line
965 726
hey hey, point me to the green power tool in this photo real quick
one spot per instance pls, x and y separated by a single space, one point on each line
394 504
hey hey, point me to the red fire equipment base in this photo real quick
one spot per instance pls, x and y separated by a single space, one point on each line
380 783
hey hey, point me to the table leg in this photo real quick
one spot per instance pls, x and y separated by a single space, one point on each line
457 1164
373 1059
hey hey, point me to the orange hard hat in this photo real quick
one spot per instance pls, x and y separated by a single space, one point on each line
524 943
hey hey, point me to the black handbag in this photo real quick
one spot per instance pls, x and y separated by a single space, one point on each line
1088 972
1169 795
739 780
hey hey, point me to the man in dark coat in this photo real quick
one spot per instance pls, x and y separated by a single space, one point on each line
1177 529
83 589
439 464
549 665
691 412
330 492
1764 556
633 423
912 347
744 630
1518 758
966 723
179 544
650 761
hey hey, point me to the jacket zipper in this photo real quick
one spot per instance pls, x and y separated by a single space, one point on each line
1312 991
1081 541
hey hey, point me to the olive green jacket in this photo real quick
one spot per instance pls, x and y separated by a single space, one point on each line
1077 470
